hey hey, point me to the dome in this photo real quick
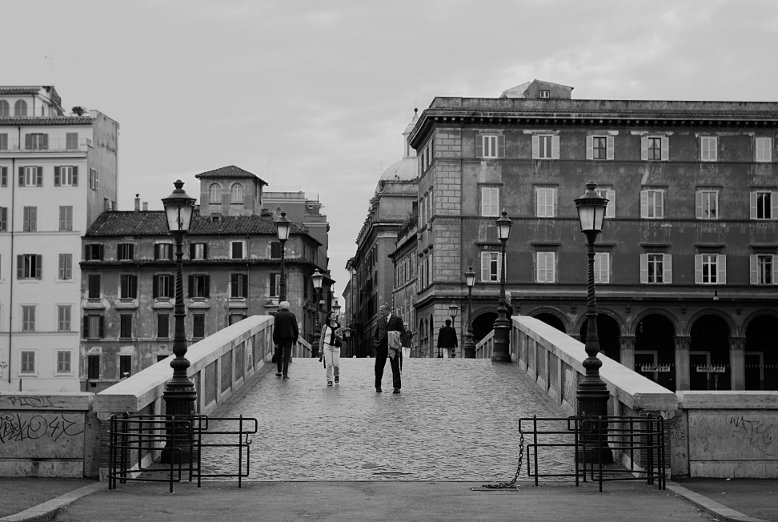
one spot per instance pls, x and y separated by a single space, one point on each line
404 170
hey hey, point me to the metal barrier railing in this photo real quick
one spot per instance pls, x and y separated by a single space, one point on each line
179 442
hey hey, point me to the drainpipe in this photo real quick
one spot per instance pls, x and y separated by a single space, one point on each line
11 180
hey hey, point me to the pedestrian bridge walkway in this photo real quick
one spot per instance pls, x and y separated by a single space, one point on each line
456 419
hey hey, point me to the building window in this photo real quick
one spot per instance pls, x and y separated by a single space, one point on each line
30 176
4 142
546 267
125 366
93 252
490 201
656 269
599 147
162 286
93 286
427 155
28 362
36 141
128 286
163 326
125 326
239 286
65 270
654 148
63 361
764 204
28 266
198 251
707 204
63 318
199 286
163 251
94 326
237 249
609 194
764 150
5 109
93 367
274 283
764 269
490 146
490 267
125 251
66 218
236 193
94 179
65 176
30 219
652 204
71 140
709 148
215 194
545 202
3 219
602 268
198 326
28 318
544 94
275 249
545 146
20 108
710 269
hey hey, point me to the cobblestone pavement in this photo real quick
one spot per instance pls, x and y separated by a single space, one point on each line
455 419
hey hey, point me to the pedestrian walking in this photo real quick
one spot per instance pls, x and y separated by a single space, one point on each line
386 341
329 346
447 339
285 333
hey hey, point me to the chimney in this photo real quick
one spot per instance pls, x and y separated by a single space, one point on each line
145 206
137 202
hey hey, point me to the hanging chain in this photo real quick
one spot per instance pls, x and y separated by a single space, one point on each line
512 483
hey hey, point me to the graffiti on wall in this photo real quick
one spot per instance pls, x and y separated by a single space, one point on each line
18 427
756 433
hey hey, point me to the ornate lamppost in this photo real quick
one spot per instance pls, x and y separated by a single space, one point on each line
592 393
467 345
317 279
179 394
453 308
502 325
283 226
336 308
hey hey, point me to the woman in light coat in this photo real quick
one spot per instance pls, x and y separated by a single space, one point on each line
329 345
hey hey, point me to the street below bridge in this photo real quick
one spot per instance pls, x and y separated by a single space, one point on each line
455 420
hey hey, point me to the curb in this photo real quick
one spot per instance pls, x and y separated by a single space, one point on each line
49 509
710 505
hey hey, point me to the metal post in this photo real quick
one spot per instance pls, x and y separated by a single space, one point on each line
316 325
468 346
502 324
282 283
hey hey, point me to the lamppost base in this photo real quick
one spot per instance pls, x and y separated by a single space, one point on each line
501 351
180 399
592 396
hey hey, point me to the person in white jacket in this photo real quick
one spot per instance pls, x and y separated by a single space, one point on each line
329 347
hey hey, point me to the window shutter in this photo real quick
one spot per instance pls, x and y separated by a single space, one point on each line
56 176
775 270
19 266
644 268
39 176
554 147
500 146
21 176
155 287
102 327
643 204
85 327
75 176
3 176
535 146
644 148
485 272
610 210
774 205
752 264
44 142
665 148
207 286
38 265
667 272
698 269
479 146
721 263
589 147
610 153
245 286
191 251
28 141
191 286
752 203
698 204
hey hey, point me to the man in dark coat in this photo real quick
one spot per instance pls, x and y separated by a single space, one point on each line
447 339
387 322
285 333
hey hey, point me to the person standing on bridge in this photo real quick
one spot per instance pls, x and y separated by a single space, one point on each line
447 340
386 340
329 347
285 333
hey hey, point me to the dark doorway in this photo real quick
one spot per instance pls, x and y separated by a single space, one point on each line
709 364
552 320
761 355
482 325
655 350
608 333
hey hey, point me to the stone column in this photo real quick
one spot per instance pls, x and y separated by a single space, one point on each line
627 351
737 363
682 376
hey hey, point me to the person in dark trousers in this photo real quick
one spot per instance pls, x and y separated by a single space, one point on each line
447 339
386 341
285 333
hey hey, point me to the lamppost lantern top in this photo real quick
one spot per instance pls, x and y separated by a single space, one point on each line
336 308
283 226
453 308
317 278
503 226
179 207
591 209
470 277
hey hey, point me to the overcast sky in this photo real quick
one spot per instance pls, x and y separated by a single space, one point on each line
314 95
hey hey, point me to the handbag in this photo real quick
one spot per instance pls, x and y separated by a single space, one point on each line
334 339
